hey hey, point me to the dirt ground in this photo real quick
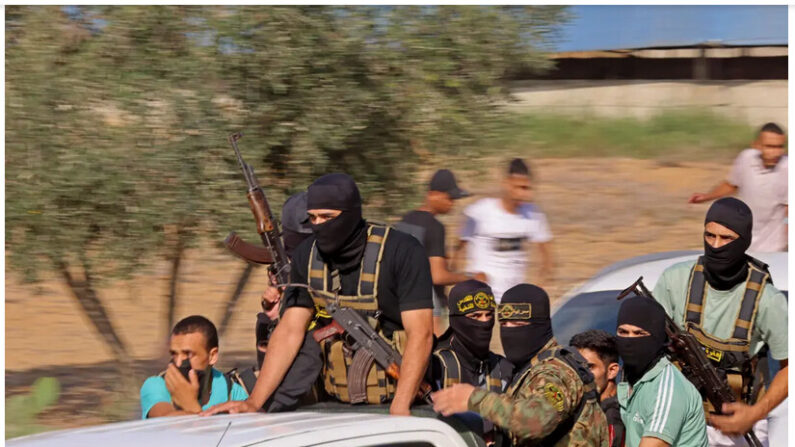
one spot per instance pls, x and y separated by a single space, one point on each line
600 211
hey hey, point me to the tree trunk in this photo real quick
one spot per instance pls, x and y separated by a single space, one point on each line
232 301
176 260
87 297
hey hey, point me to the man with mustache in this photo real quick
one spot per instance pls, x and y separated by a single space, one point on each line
659 406
384 275
552 399
727 301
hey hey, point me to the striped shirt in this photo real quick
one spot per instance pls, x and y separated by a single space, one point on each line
663 404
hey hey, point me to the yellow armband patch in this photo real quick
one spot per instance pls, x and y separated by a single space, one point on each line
555 397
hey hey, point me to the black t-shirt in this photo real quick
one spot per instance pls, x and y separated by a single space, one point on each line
613 413
433 239
404 282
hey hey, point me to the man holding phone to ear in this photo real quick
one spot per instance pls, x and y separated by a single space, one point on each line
190 383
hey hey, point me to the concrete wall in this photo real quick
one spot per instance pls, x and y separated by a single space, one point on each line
754 102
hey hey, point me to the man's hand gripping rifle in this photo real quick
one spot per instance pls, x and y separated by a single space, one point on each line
273 251
368 344
686 350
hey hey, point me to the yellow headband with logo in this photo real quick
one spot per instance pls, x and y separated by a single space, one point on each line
514 311
476 302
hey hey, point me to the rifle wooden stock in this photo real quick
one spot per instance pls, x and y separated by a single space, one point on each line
249 252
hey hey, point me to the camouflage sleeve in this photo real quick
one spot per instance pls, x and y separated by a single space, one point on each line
546 398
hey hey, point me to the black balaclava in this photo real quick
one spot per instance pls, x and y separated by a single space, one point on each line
294 228
471 337
524 302
340 240
727 266
641 353
263 330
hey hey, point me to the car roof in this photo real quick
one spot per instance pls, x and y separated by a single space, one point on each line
275 429
621 274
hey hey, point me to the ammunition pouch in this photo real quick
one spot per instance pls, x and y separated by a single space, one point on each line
731 356
351 375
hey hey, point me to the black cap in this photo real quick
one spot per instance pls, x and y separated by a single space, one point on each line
470 296
444 181
294 214
334 192
733 214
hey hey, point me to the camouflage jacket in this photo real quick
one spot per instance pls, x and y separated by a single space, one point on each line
540 400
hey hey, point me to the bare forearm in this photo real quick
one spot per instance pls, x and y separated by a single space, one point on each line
649 441
444 277
774 395
414 364
722 189
163 409
282 349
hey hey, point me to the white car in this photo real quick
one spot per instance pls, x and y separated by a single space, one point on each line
289 429
593 305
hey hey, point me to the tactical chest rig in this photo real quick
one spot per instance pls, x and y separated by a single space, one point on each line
352 375
575 361
452 370
731 356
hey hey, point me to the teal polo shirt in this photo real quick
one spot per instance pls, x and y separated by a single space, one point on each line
663 404
154 391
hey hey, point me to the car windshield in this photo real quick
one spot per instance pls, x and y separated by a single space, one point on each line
593 310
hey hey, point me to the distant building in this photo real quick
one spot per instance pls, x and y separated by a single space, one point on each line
703 62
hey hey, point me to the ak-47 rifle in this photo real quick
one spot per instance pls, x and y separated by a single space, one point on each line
687 351
366 343
273 253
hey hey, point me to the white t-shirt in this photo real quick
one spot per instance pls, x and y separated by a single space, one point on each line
497 241
765 192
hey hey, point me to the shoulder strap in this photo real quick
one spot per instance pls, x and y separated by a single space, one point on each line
495 373
370 265
228 387
452 367
757 279
371 260
317 269
696 289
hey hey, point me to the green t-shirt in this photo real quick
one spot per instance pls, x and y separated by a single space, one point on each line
663 404
721 309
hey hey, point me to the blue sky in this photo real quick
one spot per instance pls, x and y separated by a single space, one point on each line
612 27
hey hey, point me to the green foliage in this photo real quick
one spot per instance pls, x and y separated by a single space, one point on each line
22 410
690 134
117 116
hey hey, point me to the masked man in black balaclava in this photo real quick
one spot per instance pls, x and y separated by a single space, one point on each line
659 406
384 275
552 399
727 297
462 352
